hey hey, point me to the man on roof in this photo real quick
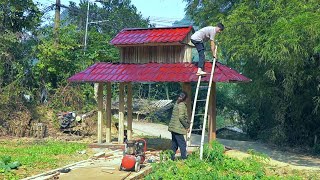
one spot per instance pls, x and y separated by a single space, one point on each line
201 36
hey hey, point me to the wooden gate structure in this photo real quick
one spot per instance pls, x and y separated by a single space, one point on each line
151 55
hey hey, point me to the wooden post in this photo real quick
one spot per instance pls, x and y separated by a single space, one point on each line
212 113
121 113
129 111
186 87
100 109
57 20
108 113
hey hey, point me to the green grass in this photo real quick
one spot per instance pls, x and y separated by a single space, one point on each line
216 165
37 156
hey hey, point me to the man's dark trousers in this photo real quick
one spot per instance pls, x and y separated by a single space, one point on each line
178 141
200 48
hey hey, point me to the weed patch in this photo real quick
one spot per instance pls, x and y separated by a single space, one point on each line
215 165
39 156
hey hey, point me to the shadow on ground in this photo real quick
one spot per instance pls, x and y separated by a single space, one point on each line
156 143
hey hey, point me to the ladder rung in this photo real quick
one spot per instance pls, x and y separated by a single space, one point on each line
199 115
203 100
203 87
194 145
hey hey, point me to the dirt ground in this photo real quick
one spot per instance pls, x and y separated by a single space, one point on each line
99 169
104 166
283 158
108 168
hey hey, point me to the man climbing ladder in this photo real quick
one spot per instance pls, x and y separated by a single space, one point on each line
201 36
205 115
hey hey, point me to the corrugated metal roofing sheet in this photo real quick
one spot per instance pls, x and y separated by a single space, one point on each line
154 72
151 35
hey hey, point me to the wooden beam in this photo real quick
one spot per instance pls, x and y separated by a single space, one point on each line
212 113
129 111
121 114
108 113
186 87
100 109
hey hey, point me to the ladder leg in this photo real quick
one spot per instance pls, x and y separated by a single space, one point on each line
193 111
207 106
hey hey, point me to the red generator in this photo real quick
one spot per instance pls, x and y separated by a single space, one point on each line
133 155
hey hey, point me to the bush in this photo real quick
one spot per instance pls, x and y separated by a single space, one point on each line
7 165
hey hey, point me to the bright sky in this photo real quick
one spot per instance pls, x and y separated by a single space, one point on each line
161 12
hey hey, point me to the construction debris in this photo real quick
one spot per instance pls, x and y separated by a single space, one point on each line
98 155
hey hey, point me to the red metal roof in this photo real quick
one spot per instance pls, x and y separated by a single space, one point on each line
154 72
151 35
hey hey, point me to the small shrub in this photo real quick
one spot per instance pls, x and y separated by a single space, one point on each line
213 152
6 164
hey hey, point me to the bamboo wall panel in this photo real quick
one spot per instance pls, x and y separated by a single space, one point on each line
158 54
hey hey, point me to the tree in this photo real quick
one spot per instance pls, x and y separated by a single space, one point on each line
111 18
275 43
57 62
17 20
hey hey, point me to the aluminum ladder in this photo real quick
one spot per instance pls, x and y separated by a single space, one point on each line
194 109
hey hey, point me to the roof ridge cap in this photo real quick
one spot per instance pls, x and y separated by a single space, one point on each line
150 28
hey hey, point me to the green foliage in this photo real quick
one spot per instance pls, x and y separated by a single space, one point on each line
111 18
215 165
33 60
41 153
6 164
13 103
276 44
17 22
73 97
165 155
57 61
17 16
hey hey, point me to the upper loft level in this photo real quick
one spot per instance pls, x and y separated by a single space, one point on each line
160 45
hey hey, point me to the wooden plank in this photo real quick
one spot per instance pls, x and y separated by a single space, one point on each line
212 113
187 54
121 113
41 176
108 113
121 55
129 111
100 109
